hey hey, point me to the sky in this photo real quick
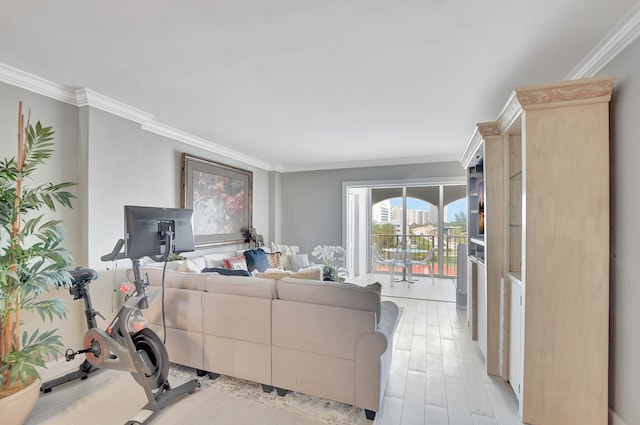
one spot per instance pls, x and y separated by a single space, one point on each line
418 204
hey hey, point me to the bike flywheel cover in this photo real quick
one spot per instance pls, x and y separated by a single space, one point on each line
150 343
96 340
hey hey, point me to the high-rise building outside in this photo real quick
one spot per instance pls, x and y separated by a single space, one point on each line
396 214
381 212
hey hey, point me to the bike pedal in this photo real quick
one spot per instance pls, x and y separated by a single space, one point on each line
69 354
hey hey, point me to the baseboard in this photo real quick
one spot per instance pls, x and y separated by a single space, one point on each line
614 419
59 366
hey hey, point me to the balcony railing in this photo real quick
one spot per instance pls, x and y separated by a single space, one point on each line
420 246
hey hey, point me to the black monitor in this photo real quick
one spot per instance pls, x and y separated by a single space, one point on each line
145 230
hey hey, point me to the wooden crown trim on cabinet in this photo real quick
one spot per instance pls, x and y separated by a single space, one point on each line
471 154
594 89
532 97
488 129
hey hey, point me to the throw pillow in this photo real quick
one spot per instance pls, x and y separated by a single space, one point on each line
236 263
286 250
256 260
214 260
188 266
226 272
298 261
274 259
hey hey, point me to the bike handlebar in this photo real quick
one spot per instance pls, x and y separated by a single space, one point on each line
115 254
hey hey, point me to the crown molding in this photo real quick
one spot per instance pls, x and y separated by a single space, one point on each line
510 113
33 83
616 40
470 150
483 131
86 97
198 142
372 163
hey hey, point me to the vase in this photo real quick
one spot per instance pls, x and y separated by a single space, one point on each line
17 407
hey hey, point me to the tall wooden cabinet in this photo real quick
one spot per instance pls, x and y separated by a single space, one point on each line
546 171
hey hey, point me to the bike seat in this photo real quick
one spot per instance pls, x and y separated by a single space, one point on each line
81 275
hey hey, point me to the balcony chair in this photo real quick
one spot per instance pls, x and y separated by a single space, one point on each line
426 262
378 260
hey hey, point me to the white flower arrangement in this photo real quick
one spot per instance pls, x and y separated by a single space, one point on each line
333 258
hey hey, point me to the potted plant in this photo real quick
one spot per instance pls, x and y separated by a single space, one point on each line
32 259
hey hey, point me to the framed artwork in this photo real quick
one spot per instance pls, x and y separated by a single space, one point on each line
221 198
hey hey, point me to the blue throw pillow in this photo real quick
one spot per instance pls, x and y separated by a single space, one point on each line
256 259
226 272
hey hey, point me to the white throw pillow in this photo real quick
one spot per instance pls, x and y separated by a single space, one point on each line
188 266
214 260
298 261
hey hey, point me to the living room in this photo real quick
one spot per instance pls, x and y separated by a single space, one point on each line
121 155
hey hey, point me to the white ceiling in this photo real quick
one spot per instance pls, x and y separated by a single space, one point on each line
304 84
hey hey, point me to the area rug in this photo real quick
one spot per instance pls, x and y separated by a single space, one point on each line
326 411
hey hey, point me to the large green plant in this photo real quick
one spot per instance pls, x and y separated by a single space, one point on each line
32 257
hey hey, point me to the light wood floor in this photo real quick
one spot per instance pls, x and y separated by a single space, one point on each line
437 373
438 289
436 378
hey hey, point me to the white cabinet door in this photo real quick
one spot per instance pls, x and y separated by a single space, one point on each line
482 309
515 339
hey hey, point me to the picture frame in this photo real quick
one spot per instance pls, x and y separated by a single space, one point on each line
221 197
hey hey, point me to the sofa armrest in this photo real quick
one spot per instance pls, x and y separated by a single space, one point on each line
373 358
375 343
389 313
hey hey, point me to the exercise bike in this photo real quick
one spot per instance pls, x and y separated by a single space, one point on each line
128 346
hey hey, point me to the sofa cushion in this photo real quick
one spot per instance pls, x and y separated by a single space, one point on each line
171 265
346 295
241 285
176 279
312 273
256 259
226 272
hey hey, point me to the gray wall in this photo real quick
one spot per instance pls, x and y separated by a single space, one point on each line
115 163
311 201
624 371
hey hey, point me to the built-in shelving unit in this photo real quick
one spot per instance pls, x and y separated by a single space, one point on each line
485 245
475 174
514 242
539 272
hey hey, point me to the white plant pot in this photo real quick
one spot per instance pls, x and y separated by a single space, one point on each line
16 408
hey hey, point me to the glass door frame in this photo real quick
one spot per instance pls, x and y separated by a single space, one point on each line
346 186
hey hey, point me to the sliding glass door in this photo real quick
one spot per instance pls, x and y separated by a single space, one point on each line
413 220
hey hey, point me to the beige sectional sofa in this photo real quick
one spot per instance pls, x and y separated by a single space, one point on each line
333 340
